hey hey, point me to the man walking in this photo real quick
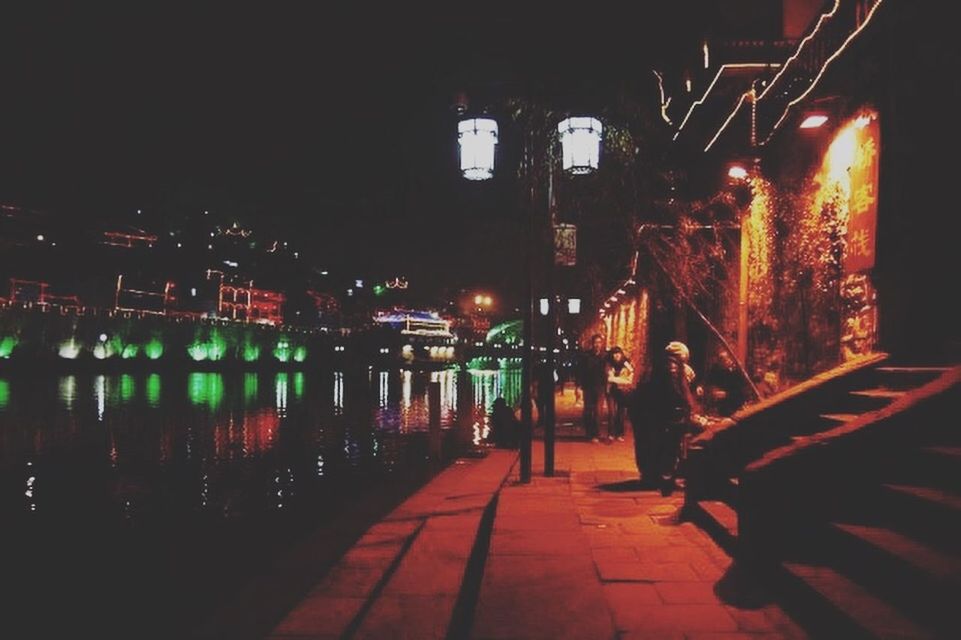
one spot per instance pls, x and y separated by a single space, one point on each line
593 374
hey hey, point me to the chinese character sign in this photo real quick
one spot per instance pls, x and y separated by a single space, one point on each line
863 203
565 245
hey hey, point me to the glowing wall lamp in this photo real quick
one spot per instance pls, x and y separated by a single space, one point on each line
813 121
737 172
580 144
477 138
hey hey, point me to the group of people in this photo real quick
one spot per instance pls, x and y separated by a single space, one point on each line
605 379
663 408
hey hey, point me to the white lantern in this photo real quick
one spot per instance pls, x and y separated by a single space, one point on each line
581 143
477 138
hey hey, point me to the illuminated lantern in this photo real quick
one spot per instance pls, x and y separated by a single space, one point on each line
581 144
477 138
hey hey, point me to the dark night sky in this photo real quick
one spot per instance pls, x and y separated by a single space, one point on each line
332 124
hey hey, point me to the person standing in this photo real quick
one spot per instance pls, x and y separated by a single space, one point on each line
620 379
666 408
725 386
593 382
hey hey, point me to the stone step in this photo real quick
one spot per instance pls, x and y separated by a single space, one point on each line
949 452
840 418
931 466
907 377
926 513
719 519
879 392
930 495
844 608
935 563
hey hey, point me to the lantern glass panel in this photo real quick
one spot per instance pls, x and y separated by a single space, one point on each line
580 144
477 138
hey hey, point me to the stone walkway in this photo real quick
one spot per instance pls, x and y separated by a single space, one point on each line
584 555
587 554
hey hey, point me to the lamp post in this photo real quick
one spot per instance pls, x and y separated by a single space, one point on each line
580 138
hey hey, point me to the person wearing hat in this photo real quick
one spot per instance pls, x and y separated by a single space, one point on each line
667 410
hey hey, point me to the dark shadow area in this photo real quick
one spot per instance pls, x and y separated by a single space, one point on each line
626 486
743 588
462 619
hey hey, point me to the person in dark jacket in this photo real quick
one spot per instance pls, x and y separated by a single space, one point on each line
593 383
665 411
503 425
725 386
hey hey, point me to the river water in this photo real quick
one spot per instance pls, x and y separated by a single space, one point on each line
136 497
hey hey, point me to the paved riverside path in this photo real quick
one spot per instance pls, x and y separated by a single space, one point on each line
585 555
402 579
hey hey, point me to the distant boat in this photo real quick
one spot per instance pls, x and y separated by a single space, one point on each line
413 336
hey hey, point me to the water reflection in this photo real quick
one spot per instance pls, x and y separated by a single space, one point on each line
100 392
339 390
68 391
165 443
280 384
153 390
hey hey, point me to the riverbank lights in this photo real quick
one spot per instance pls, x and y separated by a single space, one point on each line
580 143
477 138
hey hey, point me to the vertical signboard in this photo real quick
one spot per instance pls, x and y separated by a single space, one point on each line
863 204
565 245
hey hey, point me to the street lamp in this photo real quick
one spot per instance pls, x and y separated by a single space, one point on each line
580 143
580 138
477 138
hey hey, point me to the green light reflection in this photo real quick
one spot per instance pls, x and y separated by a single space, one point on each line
153 390
128 388
299 385
205 389
251 381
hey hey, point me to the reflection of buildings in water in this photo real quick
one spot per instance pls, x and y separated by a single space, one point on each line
128 388
114 454
448 389
338 392
206 389
299 385
383 379
68 391
280 386
29 493
153 390
251 383
283 487
204 490
251 433
406 379
100 394
320 465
